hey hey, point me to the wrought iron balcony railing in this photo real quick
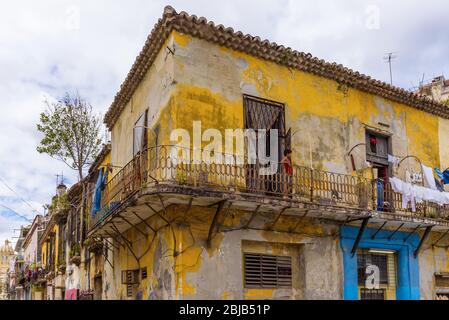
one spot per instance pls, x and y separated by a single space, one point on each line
169 165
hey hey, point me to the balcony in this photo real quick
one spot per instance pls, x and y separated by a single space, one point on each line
158 176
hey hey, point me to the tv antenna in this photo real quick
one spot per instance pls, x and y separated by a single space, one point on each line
389 57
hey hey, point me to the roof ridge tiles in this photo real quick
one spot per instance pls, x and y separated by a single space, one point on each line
264 49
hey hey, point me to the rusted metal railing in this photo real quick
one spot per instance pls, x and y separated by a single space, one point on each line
169 165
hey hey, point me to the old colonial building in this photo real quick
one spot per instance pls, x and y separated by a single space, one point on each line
175 226
6 255
437 89
174 208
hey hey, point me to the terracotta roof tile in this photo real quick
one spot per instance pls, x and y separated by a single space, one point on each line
263 49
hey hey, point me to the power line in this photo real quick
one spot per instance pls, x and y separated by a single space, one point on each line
23 200
16 213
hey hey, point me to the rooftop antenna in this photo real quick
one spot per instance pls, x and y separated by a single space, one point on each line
389 57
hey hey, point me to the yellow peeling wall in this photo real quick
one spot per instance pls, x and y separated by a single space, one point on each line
206 82
153 93
329 119
55 229
180 264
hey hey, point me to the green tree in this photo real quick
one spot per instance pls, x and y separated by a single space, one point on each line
71 132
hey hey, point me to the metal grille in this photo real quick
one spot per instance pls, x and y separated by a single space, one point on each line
264 271
366 294
263 114
364 259
129 290
143 272
130 277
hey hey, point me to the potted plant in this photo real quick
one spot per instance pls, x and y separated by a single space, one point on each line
62 266
75 254
93 245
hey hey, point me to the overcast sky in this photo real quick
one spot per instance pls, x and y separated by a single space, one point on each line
49 47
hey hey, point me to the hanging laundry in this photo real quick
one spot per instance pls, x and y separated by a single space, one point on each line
380 194
439 184
394 160
412 194
428 177
96 202
444 176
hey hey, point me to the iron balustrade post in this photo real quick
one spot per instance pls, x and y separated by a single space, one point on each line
311 184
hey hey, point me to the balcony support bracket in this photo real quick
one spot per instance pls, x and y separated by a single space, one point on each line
115 239
441 238
411 233
117 231
133 226
128 243
275 221
144 222
395 231
111 243
378 230
359 236
423 239
292 230
253 215
214 224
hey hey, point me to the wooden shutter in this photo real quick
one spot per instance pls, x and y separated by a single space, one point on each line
265 271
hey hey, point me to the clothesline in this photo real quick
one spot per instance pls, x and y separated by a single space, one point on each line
414 194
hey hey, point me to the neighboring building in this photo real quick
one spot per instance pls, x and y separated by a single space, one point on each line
53 249
6 254
32 256
201 230
17 271
437 90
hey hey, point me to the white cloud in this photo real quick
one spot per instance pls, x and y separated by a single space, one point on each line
48 47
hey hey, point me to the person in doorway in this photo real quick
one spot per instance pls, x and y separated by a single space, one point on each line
287 173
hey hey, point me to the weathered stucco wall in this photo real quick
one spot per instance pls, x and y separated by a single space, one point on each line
181 265
432 260
328 118
203 81
30 251
153 93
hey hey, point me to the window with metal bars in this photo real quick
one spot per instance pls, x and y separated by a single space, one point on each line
364 259
143 273
266 271
129 290
262 114
130 277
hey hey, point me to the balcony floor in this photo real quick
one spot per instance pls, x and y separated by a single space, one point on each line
135 209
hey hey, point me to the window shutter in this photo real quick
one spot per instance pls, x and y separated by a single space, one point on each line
265 271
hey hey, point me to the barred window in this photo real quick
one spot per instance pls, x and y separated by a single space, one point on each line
365 259
266 271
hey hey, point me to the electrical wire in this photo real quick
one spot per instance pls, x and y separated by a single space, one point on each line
16 193
16 213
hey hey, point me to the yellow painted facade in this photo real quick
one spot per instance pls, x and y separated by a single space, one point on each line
204 82
46 248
